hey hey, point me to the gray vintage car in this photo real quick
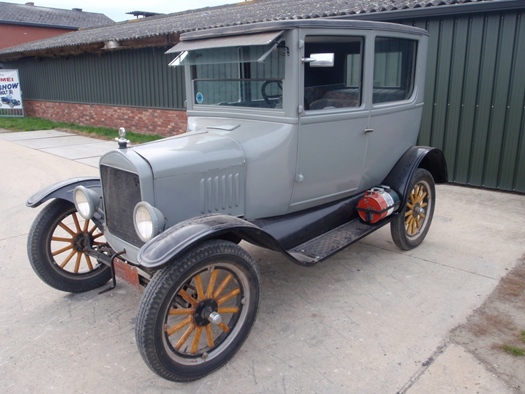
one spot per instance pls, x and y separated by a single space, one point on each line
301 138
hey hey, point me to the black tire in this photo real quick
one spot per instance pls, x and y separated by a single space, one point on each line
411 225
54 248
174 337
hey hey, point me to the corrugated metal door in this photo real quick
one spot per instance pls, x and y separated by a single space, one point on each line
475 97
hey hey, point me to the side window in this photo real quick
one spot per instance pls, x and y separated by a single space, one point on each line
394 69
334 84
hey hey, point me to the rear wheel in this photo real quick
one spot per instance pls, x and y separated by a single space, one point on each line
55 247
411 226
196 313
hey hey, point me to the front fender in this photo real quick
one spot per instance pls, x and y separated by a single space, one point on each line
178 239
431 159
64 190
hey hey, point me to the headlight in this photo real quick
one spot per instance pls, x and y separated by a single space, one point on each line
86 201
148 221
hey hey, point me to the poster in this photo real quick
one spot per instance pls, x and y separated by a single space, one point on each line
10 93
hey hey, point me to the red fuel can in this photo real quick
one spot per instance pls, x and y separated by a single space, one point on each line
377 204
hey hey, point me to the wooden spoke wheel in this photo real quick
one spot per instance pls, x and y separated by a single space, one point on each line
197 312
56 247
411 226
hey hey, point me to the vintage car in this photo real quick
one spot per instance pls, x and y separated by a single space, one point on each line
10 101
301 138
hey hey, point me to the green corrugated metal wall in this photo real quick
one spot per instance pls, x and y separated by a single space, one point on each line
139 77
475 97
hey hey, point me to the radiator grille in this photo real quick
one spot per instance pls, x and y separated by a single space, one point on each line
121 191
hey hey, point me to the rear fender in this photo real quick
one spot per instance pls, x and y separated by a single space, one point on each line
64 190
431 159
178 239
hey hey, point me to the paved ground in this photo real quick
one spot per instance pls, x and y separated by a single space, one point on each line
372 319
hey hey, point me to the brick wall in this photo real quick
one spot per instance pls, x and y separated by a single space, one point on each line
11 35
140 120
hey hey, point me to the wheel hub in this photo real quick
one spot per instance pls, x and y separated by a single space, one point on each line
418 210
204 310
83 241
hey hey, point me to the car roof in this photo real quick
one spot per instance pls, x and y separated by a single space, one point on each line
297 24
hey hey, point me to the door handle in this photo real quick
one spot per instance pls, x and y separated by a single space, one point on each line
369 131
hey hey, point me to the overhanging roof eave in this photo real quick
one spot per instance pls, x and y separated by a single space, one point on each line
39 25
442 10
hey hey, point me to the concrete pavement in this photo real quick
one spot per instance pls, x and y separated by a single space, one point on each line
371 319
60 143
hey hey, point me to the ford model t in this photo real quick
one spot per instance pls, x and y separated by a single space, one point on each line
301 139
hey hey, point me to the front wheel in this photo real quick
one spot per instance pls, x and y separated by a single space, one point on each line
55 246
197 312
411 226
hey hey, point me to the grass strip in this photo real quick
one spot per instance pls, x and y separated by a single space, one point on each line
32 123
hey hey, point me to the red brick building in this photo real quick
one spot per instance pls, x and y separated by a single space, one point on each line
21 23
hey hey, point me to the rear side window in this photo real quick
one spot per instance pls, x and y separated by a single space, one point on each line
394 69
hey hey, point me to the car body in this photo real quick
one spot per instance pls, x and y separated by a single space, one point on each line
10 101
301 138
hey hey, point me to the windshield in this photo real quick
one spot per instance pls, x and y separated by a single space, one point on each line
247 76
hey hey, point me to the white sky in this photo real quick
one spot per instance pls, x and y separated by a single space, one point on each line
116 9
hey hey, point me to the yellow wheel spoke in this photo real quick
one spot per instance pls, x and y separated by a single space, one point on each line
224 327
228 296
93 229
222 285
196 340
181 311
88 261
209 336
184 294
408 213
232 309
179 326
68 258
60 239
185 337
198 285
66 228
77 263
98 236
69 247
77 224
86 226
211 283
414 227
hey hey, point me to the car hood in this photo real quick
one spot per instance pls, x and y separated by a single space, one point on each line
200 151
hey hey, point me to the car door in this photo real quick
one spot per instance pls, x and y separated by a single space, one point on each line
396 103
333 120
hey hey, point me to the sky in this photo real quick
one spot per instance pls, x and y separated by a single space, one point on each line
116 9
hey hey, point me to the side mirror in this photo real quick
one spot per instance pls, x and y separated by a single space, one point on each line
320 60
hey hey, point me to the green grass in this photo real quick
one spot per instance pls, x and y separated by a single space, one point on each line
31 123
514 350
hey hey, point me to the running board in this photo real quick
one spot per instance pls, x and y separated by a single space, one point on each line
328 244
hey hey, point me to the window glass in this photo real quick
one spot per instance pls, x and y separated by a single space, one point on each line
336 86
231 77
394 69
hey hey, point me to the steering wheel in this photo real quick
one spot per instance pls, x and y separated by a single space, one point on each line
272 99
